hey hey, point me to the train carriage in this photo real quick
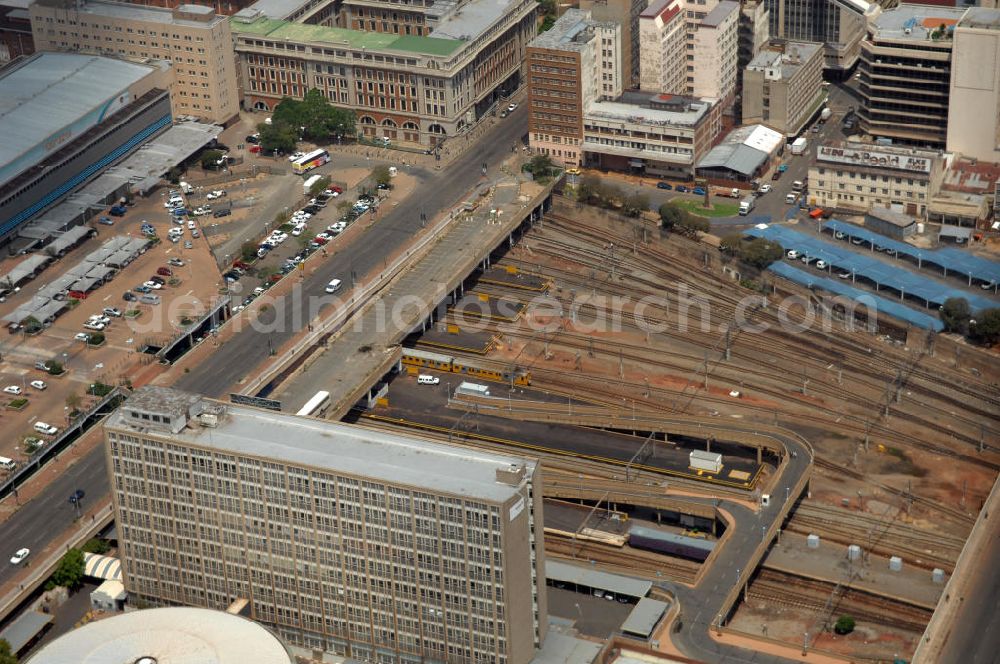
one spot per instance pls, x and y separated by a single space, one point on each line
416 357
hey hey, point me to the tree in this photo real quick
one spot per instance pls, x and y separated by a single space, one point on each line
69 573
635 204
986 329
692 225
547 23
96 545
96 339
312 118
248 251
55 367
671 215
6 656
845 625
760 252
381 175
731 243
955 314
209 159
587 190
277 137
540 166
73 401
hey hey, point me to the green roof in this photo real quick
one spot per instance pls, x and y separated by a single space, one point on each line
302 32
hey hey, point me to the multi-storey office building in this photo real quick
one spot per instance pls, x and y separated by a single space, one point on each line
191 37
626 13
974 93
660 135
662 36
856 177
782 86
416 89
712 56
383 547
905 73
838 28
569 67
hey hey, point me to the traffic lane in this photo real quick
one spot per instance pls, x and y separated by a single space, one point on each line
975 632
34 524
231 362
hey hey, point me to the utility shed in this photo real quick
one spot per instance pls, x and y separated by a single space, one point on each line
644 617
710 462
890 223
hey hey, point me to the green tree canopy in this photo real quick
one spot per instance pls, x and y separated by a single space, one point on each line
320 186
248 251
845 625
955 314
6 656
671 215
986 329
381 175
635 204
313 118
69 573
760 252
209 158
277 136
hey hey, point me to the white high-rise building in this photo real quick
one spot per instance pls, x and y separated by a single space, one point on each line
974 94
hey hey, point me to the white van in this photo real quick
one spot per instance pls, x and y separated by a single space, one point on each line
47 429
427 379
790 199
334 286
7 464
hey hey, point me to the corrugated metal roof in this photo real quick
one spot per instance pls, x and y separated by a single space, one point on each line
102 567
592 578
24 629
644 617
41 100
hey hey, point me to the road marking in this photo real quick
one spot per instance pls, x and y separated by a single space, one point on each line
188 293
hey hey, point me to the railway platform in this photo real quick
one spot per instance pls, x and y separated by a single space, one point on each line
455 339
510 278
482 306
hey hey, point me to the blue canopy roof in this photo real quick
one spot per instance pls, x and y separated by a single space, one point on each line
884 275
872 302
949 259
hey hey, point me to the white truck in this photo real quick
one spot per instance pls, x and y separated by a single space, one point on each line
746 205
308 184
799 145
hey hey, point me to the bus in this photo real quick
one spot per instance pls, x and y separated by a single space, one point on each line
310 161
316 407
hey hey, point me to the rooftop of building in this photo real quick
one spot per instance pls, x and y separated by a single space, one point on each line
664 9
470 19
178 635
743 149
981 18
333 446
250 22
790 56
652 108
48 92
571 32
916 22
891 216
723 10
130 12
278 9
973 177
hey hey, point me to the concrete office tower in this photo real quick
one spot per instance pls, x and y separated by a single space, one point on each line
570 66
715 38
626 13
839 29
754 33
905 74
192 37
663 35
782 86
380 546
974 99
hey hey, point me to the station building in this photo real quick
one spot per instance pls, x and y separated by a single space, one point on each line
64 118
378 546
404 84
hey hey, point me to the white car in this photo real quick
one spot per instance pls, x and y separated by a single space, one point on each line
112 311
844 275
303 214
198 212
278 238
218 193
337 228
792 254
296 155
325 236
47 429
298 230
511 107
152 284
332 193
38 384
19 556
12 389
764 188
90 325
191 224
98 318
174 202
821 265
82 336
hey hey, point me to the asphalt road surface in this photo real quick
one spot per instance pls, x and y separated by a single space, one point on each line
50 512
248 349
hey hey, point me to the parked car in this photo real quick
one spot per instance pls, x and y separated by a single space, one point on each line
699 191
224 212
511 107
128 297
12 389
82 336
142 289
165 271
253 139
106 221
664 185
682 189
92 325
187 244
231 276
38 384
112 311
157 280
98 318
180 212
764 188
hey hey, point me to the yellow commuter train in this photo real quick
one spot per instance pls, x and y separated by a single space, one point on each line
415 357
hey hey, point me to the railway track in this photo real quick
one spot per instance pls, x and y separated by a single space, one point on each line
633 561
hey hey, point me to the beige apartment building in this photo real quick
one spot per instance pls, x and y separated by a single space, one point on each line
406 87
626 13
713 56
196 41
662 39
856 177
783 86
974 96
569 67
378 546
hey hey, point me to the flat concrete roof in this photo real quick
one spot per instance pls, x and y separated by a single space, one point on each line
46 100
570 33
474 17
556 570
278 8
644 616
241 24
790 58
714 18
128 11
559 648
622 111
982 18
304 441
915 22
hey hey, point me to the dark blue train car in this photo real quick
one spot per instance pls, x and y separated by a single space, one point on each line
669 543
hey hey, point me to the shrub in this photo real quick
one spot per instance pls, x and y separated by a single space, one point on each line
845 625
96 339
99 389
55 367
96 545
18 403
69 573
955 314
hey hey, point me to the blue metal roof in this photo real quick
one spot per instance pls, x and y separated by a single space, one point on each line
949 259
884 275
872 302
